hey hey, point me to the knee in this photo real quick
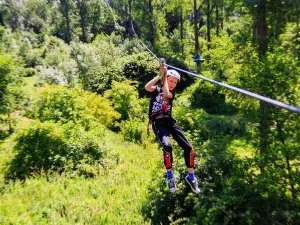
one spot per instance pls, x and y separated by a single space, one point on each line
168 147
166 144
188 148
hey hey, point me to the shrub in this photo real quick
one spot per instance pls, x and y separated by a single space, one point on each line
39 147
124 97
60 104
49 146
134 130
209 97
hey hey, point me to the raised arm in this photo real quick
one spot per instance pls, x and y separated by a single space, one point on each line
150 86
167 93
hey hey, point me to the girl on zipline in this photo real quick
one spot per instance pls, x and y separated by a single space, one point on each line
163 124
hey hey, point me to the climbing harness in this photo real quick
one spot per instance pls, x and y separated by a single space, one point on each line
239 90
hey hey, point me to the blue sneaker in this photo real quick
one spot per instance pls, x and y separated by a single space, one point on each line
193 183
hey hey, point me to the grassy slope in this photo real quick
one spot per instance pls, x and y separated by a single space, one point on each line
114 197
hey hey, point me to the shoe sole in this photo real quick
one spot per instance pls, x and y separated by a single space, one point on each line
172 191
191 186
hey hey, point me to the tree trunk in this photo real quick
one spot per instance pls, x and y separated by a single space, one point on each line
293 190
217 20
151 27
196 32
1 19
181 30
66 13
261 37
261 28
82 13
68 22
208 24
287 158
130 20
222 17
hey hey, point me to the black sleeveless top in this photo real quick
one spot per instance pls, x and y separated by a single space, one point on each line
158 105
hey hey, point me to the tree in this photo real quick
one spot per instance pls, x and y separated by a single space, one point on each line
9 82
10 14
84 19
66 9
36 14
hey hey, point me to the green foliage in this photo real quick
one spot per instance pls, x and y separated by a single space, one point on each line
226 125
232 192
246 198
10 14
5 77
57 65
11 97
235 189
56 103
134 130
100 109
140 67
49 146
39 147
36 14
107 198
60 104
208 97
7 39
124 97
95 62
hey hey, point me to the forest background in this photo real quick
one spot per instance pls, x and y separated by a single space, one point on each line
73 112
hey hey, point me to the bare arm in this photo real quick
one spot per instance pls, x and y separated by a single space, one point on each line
167 93
150 85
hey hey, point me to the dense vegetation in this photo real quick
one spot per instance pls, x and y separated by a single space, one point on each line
73 112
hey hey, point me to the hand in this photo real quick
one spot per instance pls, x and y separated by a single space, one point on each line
163 69
163 73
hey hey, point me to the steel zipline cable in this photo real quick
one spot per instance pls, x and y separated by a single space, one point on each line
239 90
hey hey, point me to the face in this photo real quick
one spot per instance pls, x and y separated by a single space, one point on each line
172 82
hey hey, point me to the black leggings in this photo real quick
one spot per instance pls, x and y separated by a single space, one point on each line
162 128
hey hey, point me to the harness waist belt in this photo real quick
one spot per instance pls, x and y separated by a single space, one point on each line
161 116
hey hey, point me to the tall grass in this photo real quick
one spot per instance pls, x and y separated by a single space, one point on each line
113 197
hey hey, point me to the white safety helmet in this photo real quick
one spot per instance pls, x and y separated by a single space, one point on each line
173 73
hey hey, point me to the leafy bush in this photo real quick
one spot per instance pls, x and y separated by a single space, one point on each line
140 67
134 130
11 96
100 109
226 125
125 99
57 66
39 147
60 104
191 121
232 192
49 146
7 40
99 63
210 98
